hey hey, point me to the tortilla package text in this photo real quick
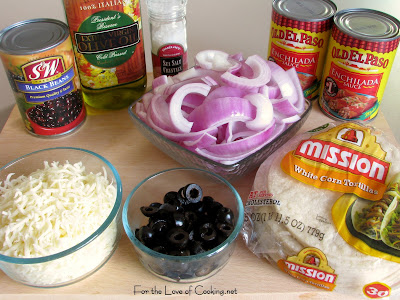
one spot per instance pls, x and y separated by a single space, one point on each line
325 210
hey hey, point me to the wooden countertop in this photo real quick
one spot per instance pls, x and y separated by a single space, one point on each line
113 135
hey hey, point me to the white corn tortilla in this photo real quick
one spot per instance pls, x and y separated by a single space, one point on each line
312 206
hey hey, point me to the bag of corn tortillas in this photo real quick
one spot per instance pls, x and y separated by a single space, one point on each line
320 207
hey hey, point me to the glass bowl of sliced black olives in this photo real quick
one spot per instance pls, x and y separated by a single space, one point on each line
183 223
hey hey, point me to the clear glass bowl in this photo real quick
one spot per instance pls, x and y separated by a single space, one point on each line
181 268
79 261
230 172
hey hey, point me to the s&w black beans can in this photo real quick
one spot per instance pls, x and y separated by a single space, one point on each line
39 61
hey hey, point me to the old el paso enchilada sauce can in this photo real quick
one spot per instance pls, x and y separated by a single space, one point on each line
299 38
108 43
360 55
39 62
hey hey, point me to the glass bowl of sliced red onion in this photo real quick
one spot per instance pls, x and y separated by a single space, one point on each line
226 114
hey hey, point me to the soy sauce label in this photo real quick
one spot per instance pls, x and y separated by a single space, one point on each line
170 60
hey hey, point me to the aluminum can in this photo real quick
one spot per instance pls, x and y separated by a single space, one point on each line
299 37
360 55
39 61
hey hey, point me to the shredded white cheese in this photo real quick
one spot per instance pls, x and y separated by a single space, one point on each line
51 210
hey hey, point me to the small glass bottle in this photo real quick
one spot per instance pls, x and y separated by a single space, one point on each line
167 20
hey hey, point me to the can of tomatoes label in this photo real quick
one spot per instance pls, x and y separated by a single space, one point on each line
299 37
361 52
39 61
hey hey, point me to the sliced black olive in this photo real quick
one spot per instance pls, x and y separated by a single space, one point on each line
205 270
166 210
211 207
225 215
186 223
207 233
179 219
197 208
160 249
193 193
182 197
224 229
172 198
191 235
155 204
181 252
145 235
190 220
196 247
160 227
178 238
149 211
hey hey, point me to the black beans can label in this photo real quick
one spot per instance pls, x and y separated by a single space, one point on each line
39 61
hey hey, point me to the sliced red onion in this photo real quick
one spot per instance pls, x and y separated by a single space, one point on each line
172 88
274 92
226 91
242 146
232 159
178 136
216 60
237 56
291 119
224 115
158 107
159 89
282 80
186 111
197 72
294 77
264 90
193 100
160 80
216 112
261 74
187 74
209 81
204 140
146 99
139 109
235 131
181 124
265 112
245 71
284 106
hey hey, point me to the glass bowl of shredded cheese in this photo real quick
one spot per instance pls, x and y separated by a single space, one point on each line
60 216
